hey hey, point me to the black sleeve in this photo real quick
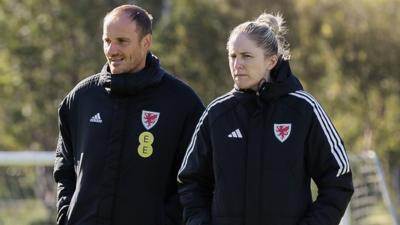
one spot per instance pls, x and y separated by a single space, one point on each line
64 173
173 206
329 167
195 177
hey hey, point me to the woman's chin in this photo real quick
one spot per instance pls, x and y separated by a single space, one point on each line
241 86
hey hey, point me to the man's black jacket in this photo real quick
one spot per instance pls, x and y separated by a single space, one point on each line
121 141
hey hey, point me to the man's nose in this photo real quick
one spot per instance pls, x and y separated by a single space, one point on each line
111 49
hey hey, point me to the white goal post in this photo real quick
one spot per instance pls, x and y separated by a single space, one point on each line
27 158
371 203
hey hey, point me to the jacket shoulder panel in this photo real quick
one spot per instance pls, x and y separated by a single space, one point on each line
213 108
217 107
82 86
176 84
304 100
86 83
176 90
220 106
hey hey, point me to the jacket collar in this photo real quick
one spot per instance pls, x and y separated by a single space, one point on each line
132 83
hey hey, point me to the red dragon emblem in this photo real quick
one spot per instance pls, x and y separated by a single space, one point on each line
149 119
282 131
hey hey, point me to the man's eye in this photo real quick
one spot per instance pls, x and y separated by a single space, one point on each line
122 41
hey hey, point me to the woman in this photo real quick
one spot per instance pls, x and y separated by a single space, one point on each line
256 149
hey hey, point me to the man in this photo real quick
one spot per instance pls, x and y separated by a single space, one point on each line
123 133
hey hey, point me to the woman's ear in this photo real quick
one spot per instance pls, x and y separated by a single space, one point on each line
272 61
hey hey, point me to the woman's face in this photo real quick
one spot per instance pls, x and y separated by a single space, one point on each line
247 62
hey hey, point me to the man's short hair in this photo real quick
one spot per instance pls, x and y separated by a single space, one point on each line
137 14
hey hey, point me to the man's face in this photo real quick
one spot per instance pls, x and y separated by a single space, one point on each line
123 46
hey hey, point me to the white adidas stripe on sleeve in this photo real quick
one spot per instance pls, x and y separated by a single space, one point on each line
336 135
337 149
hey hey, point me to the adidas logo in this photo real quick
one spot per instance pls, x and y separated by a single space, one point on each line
96 119
235 134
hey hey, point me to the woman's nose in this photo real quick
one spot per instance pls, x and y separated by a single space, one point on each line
238 64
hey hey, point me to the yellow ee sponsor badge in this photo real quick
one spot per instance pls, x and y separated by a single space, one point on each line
145 149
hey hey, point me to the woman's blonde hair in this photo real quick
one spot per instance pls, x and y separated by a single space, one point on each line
268 31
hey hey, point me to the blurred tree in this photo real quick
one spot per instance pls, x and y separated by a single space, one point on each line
46 47
346 54
191 44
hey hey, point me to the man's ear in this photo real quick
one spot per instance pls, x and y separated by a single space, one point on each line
147 40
